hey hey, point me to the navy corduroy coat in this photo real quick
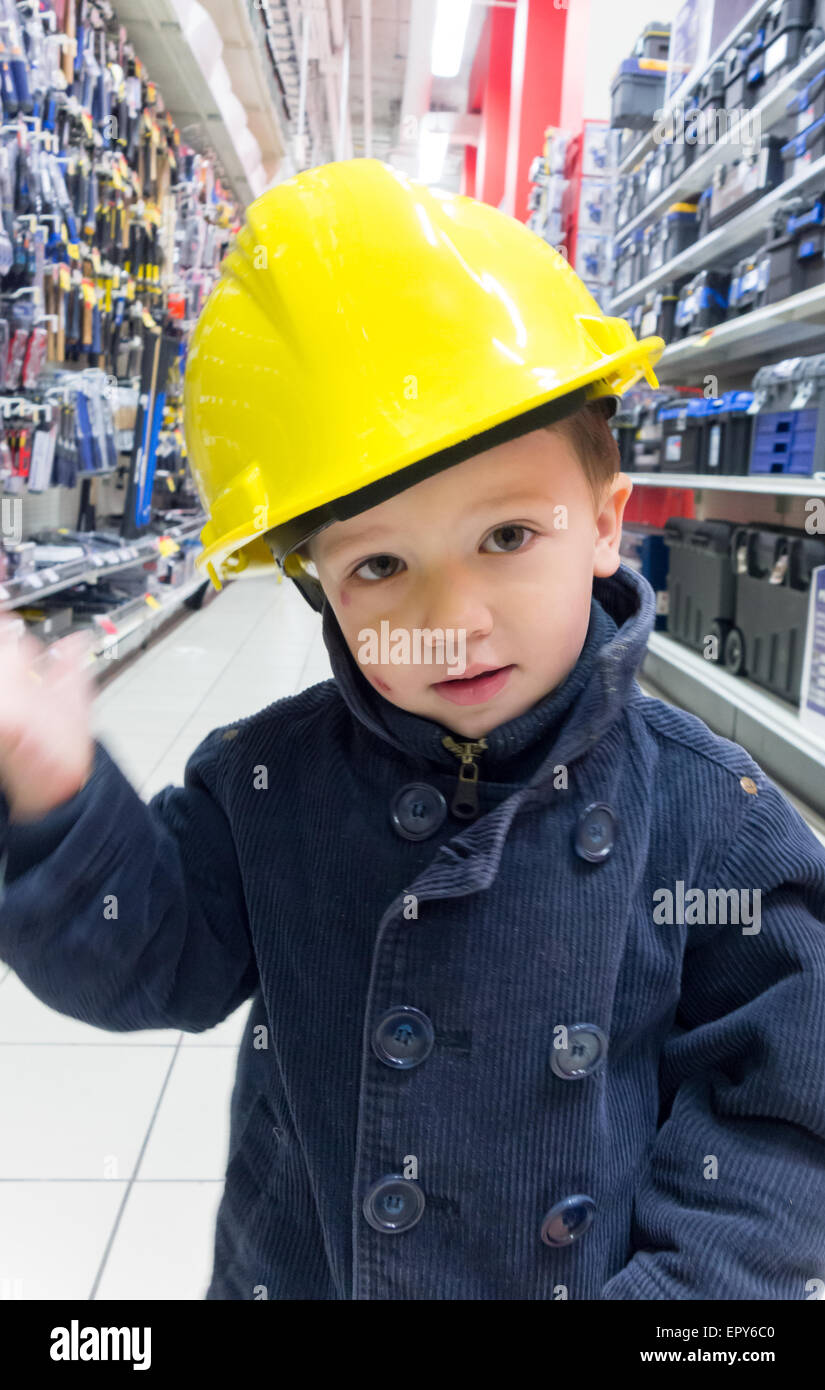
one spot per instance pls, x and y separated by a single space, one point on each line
525 1056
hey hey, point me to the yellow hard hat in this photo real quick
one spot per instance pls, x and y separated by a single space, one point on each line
365 332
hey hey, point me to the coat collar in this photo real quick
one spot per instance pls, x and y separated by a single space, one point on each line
622 614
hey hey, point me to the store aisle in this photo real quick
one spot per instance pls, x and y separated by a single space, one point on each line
115 1144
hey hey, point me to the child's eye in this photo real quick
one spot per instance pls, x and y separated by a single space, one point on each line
381 561
513 536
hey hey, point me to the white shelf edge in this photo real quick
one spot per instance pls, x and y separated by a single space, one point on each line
784 484
705 346
760 705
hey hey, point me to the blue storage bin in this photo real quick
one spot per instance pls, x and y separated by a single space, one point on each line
789 428
726 447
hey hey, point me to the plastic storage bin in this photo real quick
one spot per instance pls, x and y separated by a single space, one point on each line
654 41
637 92
728 432
704 302
797 154
736 186
773 581
700 582
682 435
684 148
643 549
712 87
789 429
680 228
658 313
806 107
746 285
786 23
738 93
623 428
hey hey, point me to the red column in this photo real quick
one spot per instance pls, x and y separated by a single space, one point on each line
495 106
468 173
535 91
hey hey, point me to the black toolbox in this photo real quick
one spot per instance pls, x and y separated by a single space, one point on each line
637 92
726 448
658 312
747 285
700 582
682 435
703 303
739 184
738 93
803 149
772 569
806 107
786 23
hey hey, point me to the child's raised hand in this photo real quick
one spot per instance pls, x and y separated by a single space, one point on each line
46 744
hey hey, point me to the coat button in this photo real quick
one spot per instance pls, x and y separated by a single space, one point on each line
417 810
393 1204
567 1220
595 832
585 1052
403 1038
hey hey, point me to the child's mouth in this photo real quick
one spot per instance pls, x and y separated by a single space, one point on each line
473 691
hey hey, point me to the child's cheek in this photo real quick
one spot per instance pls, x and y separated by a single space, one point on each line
343 598
382 685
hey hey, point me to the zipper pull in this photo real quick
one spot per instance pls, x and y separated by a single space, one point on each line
465 800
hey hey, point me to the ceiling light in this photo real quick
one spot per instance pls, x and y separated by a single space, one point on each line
449 34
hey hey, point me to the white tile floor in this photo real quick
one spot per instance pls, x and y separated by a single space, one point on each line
113 1145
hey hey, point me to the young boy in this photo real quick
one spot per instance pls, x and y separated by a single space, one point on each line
537 963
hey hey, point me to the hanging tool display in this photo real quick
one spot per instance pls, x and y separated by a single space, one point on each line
158 356
111 236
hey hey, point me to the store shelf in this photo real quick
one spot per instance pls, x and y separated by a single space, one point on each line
748 21
14 593
734 236
754 338
139 623
766 114
734 707
771 483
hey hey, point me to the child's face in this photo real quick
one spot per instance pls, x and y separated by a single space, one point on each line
501 549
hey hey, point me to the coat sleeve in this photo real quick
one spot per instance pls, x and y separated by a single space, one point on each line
731 1201
127 914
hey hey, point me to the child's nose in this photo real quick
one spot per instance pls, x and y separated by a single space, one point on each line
454 598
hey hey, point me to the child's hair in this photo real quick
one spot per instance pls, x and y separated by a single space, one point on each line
589 435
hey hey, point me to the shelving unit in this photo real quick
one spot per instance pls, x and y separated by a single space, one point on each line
646 144
767 114
740 234
740 345
768 727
